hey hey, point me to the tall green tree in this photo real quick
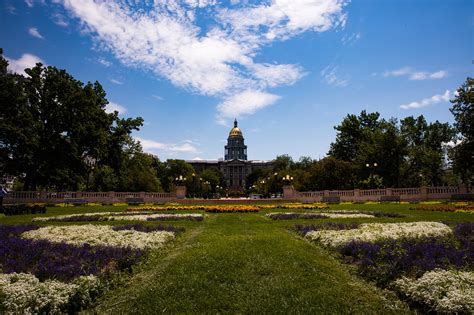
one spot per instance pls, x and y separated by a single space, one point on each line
462 154
424 163
52 126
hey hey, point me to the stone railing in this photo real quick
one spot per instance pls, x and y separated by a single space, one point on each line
405 194
91 197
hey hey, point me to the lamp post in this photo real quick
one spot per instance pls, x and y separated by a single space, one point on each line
287 179
371 167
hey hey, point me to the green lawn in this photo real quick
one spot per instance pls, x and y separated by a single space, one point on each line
247 263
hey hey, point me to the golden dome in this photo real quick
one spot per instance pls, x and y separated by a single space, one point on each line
235 132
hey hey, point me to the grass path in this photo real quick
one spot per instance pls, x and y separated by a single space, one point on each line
245 263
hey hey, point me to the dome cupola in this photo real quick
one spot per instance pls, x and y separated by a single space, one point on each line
235 132
235 148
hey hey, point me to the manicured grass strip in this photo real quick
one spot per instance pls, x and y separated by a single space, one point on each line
242 263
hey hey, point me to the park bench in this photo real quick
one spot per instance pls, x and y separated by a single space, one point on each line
331 199
134 201
75 201
462 197
389 199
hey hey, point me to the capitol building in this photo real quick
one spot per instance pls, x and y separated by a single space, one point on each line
234 167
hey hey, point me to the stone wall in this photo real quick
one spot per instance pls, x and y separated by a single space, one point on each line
423 193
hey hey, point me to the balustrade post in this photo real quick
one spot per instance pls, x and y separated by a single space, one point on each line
462 188
356 195
288 192
110 196
388 191
424 193
180 192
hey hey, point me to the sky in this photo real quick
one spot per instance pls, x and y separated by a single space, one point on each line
288 70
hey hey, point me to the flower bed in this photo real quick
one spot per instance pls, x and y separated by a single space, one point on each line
297 205
407 251
232 209
371 232
52 270
99 235
445 208
23 293
335 214
120 216
229 208
319 215
442 291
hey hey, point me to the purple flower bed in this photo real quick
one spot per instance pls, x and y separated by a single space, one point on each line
79 218
189 218
149 228
289 216
60 261
386 260
303 228
380 214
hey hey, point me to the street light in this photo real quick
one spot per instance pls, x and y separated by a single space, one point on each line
287 179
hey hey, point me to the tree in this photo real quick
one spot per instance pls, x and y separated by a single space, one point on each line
424 163
52 125
282 163
462 154
172 169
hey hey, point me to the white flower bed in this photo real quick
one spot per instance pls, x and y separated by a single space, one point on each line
334 215
67 216
444 291
23 293
99 235
371 232
117 216
156 216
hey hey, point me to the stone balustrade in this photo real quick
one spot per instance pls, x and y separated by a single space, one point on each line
423 193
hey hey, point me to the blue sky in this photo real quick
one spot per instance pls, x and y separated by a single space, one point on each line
288 70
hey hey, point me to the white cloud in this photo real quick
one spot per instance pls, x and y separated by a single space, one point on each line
398 73
350 39
104 62
245 103
31 3
10 9
115 81
420 75
157 97
114 107
33 31
284 18
164 37
25 61
415 75
429 101
152 146
59 19
331 76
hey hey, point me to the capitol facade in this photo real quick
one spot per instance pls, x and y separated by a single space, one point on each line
234 167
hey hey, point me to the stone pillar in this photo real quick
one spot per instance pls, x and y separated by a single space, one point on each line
356 195
43 196
424 193
326 193
111 197
462 188
180 192
388 191
288 192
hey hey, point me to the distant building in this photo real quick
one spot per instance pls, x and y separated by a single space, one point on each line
235 167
